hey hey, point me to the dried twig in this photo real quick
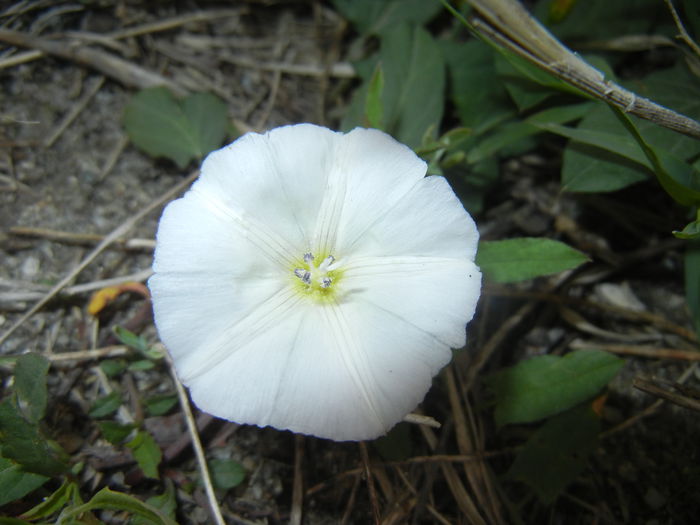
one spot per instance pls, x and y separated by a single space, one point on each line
374 501
651 352
121 230
117 68
197 445
653 388
298 488
508 24
77 108
79 238
684 36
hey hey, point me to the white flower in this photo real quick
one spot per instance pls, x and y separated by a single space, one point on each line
314 281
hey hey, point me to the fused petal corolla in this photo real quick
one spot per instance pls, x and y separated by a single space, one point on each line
314 281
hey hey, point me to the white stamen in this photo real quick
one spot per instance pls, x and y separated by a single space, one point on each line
326 282
308 257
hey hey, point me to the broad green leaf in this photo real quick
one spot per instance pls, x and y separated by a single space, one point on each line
207 115
545 385
15 483
108 499
115 432
514 260
372 17
163 126
146 452
30 385
106 405
601 19
160 404
374 109
22 442
226 473
692 281
474 85
414 81
54 503
557 453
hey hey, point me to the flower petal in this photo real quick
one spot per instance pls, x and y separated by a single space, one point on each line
276 179
371 171
434 295
338 372
428 221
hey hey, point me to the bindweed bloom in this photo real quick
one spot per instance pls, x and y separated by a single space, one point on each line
314 281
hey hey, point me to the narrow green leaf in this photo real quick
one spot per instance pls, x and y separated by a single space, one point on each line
142 364
52 504
162 126
115 432
106 405
16 483
30 385
130 339
146 452
226 473
165 503
110 500
113 367
513 132
541 386
690 232
374 109
159 405
557 453
514 260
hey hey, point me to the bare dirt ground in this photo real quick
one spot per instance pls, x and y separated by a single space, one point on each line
66 166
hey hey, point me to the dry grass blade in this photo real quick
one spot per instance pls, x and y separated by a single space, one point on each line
508 23
123 71
651 352
654 388
298 488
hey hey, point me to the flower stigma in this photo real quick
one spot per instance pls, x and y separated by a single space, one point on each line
317 280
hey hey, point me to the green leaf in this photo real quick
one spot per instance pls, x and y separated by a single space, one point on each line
545 385
146 452
160 404
113 367
106 405
414 81
30 385
557 453
372 17
514 260
115 432
475 88
143 364
165 503
54 503
513 132
226 473
374 109
162 126
110 500
692 281
130 339
690 232
15 483
21 442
